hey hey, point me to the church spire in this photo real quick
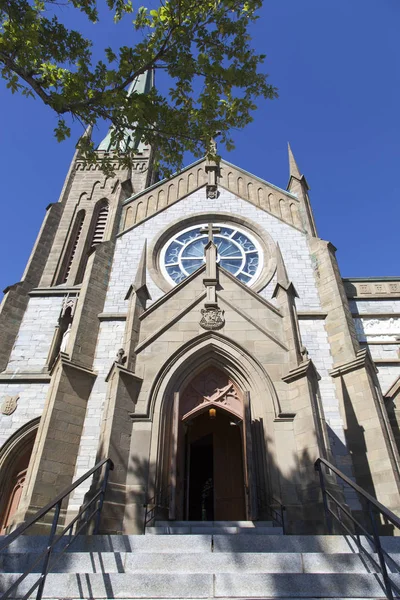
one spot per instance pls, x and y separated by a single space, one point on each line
142 84
299 187
294 170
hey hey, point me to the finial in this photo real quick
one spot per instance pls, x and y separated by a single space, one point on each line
282 278
294 170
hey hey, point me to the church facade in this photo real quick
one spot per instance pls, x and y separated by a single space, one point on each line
198 332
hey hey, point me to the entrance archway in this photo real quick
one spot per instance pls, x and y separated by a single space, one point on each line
210 449
167 475
14 461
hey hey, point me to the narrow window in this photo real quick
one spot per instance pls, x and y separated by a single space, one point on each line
100 227
73 244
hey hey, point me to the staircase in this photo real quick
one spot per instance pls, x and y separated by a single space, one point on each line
223 560
219 565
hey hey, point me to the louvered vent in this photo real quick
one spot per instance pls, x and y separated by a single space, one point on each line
100 228
78 231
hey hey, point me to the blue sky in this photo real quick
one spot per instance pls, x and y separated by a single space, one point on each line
336 64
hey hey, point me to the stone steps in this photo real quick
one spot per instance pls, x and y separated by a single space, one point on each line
212 563
214 527
203 566
202 585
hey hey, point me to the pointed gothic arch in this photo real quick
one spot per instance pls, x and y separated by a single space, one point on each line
96 234
72 245
212 349
15 456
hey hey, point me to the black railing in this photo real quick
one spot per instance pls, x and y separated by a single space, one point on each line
89 511
374 511
270 507
157 506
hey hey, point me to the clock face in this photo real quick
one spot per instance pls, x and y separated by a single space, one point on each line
238 252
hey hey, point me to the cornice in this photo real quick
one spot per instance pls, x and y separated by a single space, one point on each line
26 377
362 358
303 370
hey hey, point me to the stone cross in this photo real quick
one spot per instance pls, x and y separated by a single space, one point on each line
210 230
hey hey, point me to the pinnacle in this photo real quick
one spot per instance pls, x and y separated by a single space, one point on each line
140 279
281 273
294 170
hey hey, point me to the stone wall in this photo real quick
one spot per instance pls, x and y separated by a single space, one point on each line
35 335
30 405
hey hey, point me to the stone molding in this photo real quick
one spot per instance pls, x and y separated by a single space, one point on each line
305 369
118 367
393 390
171 292
66 362
362 358
26 377
370 288
245 316
112 316
142 345
280 203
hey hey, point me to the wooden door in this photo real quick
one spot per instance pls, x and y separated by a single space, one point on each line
229 497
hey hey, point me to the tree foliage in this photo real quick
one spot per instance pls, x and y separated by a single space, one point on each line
203 45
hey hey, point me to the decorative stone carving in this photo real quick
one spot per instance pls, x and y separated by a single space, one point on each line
68 302
211 387
212 318
211 191
65 337
121 357
355 289
9 404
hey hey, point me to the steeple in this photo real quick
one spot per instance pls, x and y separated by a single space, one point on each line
140 85
294 170
299 187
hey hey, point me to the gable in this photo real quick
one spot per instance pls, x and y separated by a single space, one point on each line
249 319
282 204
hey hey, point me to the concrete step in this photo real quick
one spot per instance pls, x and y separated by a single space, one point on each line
195 585
128 562
204 543
176 530
117 543
244 524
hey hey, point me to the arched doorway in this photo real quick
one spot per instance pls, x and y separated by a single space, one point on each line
14 461
209 453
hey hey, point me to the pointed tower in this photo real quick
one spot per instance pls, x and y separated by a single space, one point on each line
132 141
72 260
298 185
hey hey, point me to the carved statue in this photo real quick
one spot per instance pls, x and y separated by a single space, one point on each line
65 338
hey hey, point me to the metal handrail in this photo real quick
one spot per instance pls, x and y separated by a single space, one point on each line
98 497
155 503
276 514
373 507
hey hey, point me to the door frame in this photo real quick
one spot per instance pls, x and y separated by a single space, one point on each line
179 435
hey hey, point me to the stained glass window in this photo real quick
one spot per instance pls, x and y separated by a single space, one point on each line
238 252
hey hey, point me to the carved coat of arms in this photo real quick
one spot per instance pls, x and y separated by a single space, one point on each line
9 404
212 318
